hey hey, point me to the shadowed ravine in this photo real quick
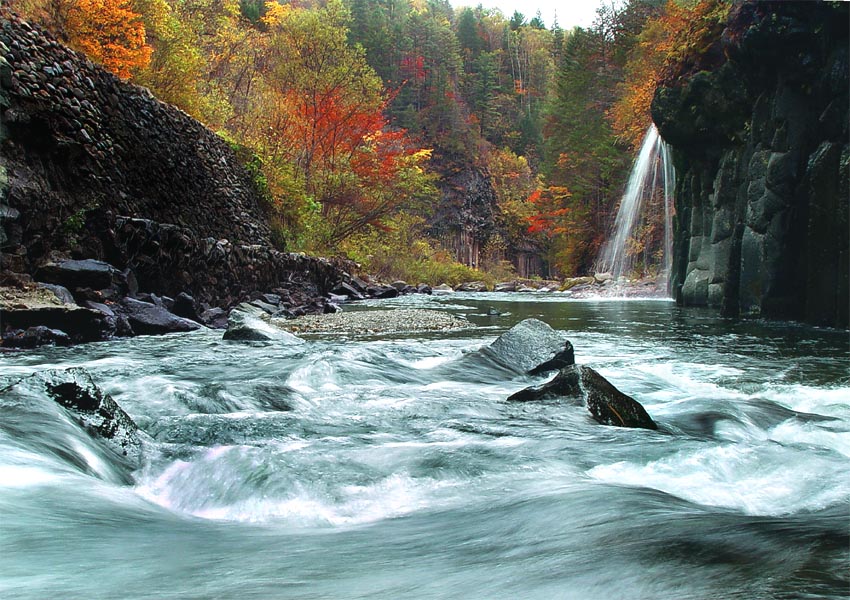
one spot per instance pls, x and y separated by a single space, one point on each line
369 468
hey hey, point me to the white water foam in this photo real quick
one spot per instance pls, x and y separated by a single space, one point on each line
765 480
303 505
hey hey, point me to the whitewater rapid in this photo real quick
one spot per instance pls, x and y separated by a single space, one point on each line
369 467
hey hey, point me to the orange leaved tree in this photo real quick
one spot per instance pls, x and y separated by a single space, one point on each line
110 33
321 111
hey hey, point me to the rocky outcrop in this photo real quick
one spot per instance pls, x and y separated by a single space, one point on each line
760 145
36 317
581 384
95 168
466 215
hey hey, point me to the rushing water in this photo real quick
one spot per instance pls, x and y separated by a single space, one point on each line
369 468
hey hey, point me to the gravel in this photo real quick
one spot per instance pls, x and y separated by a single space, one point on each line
374 322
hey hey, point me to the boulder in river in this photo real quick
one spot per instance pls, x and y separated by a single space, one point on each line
248 323
94 410
606 403
531 345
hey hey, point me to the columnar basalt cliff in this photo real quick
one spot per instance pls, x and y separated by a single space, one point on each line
759 130
466 217
93 167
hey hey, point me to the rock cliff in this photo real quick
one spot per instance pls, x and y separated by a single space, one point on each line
759 131
93 167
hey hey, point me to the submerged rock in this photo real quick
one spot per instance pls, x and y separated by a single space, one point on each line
94 410
248 323
606 403
531 345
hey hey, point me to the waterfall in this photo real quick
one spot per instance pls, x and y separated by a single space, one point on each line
627 240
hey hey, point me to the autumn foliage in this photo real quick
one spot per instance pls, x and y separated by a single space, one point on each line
675 40
345 111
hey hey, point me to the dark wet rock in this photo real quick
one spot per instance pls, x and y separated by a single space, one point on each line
472 286
267 308
607 404
424 288
347 290
528 345
96 168
99 306
150 319
399 285
215 318
150 299
273 299
94 410
563 358
358 284
247 323
382 291
73 274
185 306
34 337
761 142
60 292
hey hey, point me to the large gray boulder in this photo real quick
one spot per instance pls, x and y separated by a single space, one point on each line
150 319
583 385
248 323
531 345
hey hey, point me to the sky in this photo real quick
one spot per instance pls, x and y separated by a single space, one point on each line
570 13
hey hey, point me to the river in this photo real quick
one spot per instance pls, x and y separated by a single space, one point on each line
367 468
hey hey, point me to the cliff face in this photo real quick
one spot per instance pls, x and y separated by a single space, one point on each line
92 167
466 217
760 145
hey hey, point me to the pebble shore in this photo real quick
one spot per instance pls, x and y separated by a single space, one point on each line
374 322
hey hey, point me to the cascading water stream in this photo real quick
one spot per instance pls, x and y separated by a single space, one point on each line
653 164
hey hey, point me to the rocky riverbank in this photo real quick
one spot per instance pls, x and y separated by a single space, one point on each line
143 217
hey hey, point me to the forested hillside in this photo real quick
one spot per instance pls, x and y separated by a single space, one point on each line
420 140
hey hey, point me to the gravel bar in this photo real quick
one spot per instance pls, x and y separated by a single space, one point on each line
374 322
